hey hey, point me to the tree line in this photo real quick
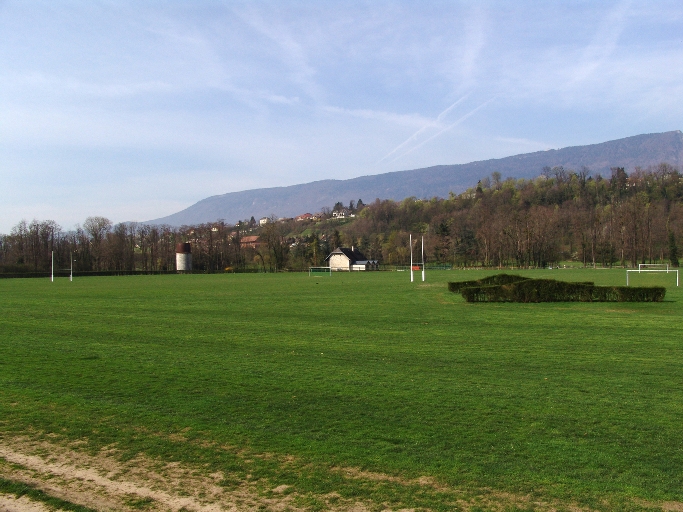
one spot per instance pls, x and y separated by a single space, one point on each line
562 215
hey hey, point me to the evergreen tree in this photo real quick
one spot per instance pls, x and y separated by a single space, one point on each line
673 249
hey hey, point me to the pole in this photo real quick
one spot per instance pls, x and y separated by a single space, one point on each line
411 258
52 272
423 259
71 275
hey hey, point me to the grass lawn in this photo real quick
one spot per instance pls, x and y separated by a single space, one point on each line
567 402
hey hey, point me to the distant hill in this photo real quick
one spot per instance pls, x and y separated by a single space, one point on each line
437 181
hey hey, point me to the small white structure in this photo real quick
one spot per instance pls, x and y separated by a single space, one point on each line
183 257
345 259
365 265
340 214
263 221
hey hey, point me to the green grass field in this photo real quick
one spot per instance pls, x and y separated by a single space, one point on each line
571 403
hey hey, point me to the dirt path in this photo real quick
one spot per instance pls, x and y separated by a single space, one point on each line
104 483
9 503
97 479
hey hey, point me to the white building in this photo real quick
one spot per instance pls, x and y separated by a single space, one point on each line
345 259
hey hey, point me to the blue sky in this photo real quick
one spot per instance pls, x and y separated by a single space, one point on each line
135 110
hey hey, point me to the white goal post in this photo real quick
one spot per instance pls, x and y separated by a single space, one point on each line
70 269
652 267
414 265
319 270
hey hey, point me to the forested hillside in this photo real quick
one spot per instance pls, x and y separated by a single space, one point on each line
562 215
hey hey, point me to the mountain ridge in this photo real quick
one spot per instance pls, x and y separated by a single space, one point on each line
435 181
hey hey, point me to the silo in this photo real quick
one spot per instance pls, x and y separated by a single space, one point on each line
183 257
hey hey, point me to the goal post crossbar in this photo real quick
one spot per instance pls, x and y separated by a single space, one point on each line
655 266
640 270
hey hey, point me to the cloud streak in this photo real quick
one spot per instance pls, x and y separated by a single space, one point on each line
423 129
603 45
444 130
388 117
293 54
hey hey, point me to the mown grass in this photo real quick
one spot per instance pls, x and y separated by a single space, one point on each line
571 402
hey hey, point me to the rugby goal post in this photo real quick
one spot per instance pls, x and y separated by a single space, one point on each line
319 270
70 269
653 267
414 265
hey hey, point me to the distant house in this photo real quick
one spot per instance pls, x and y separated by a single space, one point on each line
343 214
263 221
345 259
250 241
305 216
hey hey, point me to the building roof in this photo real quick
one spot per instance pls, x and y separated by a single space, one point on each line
251 240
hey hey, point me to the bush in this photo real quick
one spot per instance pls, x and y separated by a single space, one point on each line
498 279
19 268
550 290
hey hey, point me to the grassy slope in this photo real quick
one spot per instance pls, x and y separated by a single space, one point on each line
567 401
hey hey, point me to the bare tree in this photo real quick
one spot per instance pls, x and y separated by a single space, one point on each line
97 228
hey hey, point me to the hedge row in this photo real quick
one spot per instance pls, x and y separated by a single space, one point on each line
100 273
550 290
88 273
498 279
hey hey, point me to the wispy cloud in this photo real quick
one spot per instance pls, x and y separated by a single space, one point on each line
430 124
389 117
475 39
83 88
603 45
292 53
444 130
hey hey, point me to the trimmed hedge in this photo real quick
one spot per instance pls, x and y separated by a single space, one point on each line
498 279
550 290
85 273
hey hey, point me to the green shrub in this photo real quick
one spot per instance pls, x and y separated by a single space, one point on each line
498 279
550 290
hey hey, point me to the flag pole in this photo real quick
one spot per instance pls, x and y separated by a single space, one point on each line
52 271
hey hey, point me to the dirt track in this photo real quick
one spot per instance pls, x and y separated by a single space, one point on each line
10 503
104 483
